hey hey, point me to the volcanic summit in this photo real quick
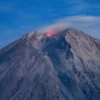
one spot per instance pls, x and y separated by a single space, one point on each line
49 66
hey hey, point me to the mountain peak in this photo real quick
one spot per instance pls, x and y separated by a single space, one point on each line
61 66
70 31
31 34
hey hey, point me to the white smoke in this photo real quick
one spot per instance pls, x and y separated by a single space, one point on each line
88 24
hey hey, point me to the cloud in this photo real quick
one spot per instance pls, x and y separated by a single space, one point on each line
87 24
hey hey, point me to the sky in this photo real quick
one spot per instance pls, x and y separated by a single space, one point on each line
18 17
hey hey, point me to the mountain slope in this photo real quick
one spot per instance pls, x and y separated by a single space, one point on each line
64 66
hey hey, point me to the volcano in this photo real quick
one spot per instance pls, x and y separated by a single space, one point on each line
63 66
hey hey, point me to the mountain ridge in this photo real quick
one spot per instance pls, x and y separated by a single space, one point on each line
40 34
63 66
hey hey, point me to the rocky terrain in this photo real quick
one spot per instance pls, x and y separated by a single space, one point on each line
62 66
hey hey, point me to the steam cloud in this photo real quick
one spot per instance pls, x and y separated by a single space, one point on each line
88 24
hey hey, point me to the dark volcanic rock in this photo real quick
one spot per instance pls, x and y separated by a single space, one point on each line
65 66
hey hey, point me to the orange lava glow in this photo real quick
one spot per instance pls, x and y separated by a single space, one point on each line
50 32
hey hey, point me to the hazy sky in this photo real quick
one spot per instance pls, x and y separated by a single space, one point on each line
18 17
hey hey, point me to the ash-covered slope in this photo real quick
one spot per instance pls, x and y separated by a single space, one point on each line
64 66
